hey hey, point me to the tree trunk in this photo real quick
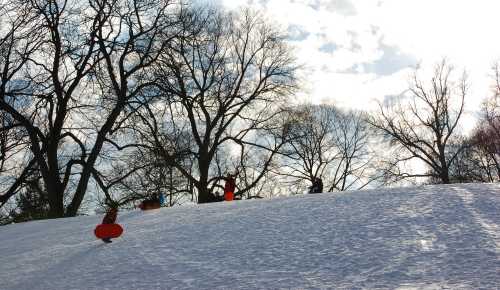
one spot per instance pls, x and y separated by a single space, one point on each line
56 203
204 195
445 177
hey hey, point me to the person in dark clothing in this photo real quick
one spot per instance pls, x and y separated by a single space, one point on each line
110 218
229 188
150 203
161 199
317 185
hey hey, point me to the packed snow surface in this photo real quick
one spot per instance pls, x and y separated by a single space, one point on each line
433 237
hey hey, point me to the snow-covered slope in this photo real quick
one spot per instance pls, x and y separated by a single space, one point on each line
435 237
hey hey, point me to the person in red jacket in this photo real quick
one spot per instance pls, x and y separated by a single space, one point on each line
229 188
110 218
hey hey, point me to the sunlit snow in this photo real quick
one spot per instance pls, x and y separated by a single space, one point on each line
434 237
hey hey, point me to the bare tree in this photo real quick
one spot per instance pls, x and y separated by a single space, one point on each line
422 125
223 82
475 163
18 40
489 132
99 48
328 143
480 161
142 173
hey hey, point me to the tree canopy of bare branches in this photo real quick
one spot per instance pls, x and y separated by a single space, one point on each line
223 82
329 143
70 72
480 161
422 125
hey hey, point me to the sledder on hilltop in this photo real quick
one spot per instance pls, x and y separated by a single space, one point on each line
154 202
109 229
317 185
230 187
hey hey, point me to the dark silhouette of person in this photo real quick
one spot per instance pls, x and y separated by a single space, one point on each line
229 188
152 202
317 185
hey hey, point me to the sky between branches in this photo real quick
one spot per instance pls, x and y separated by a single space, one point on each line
356 51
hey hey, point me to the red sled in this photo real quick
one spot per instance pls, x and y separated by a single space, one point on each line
108 231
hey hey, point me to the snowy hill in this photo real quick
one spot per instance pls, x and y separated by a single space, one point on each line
435 237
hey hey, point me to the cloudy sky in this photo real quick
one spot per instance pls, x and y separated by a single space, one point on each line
357 51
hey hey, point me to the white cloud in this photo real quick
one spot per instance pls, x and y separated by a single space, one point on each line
370 44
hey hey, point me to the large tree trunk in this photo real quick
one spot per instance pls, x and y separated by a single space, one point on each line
444 174
445 178
204 195
56 202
